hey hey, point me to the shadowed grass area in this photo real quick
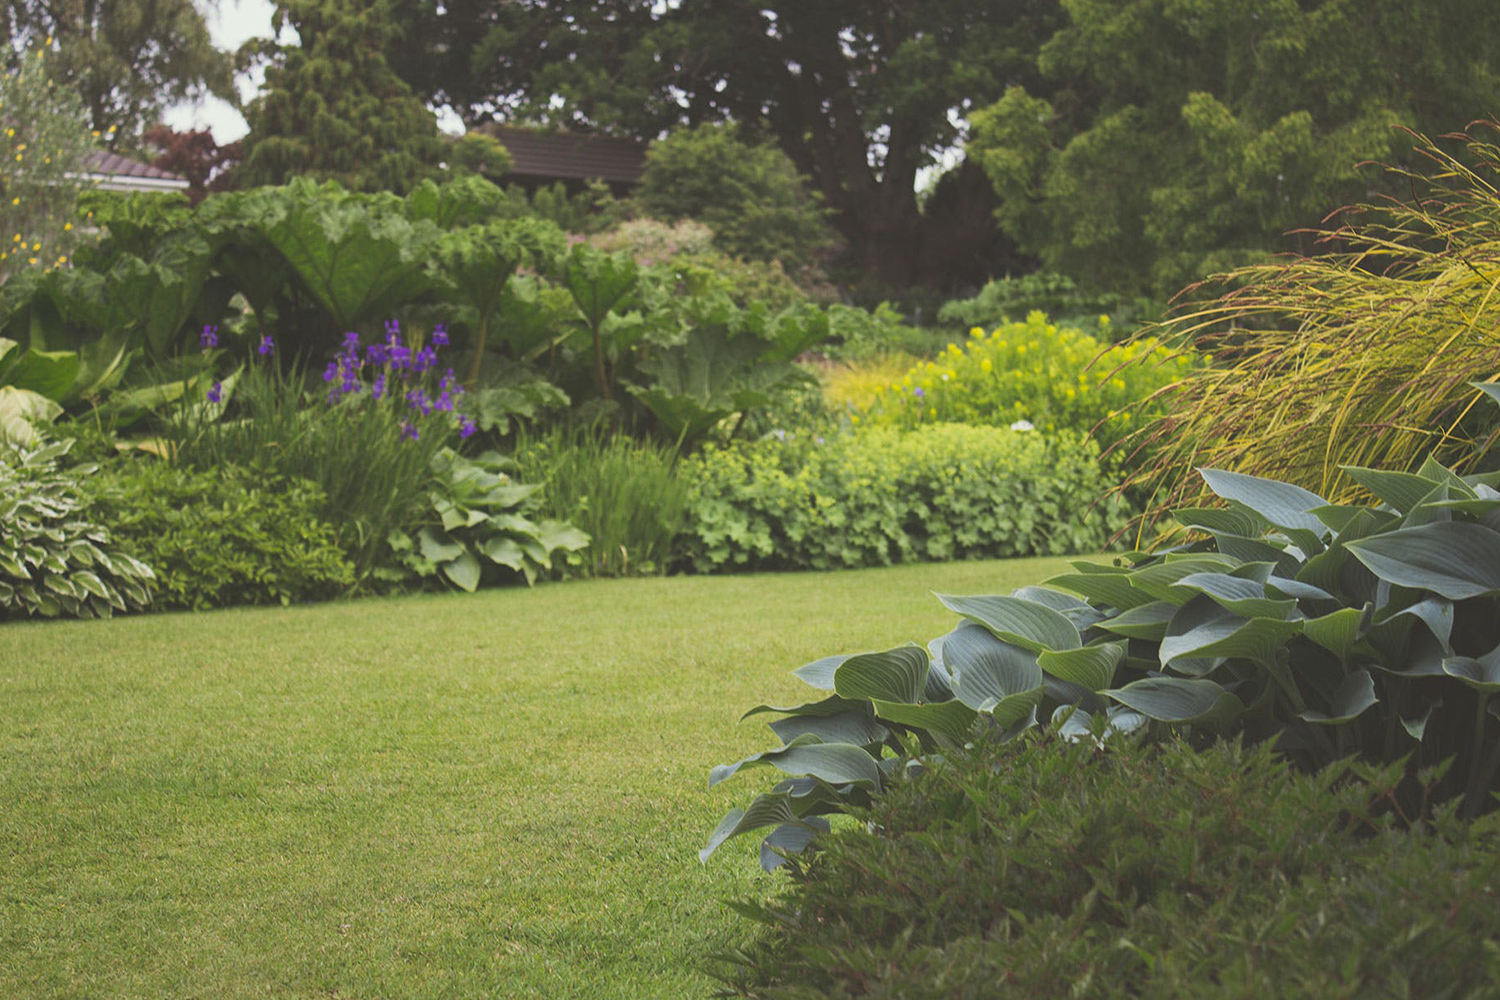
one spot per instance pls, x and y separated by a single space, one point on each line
491 795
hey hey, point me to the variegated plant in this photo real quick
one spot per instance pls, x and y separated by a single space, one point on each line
1334 629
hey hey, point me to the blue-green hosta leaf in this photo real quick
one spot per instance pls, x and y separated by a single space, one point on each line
1235 521
1354 694
987 672
951 720
555 535
1336 516
832 705
819 673
896 675
1481 673
1456 560
1024 623
855 725
789 838
1296 589
1074 723
438 549
1080 612
1283 504
1416 725
1434 612
1243 597
1112 589
1256 550
1149 621
1402 490
938 686
504 552
1339 631
769 809
835 763
1490 389
1175 700
463 571
1091 667
1160 580
1201 632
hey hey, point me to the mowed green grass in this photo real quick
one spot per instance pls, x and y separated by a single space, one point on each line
491 795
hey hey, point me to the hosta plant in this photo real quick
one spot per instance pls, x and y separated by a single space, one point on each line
53 559
1332 629
479 516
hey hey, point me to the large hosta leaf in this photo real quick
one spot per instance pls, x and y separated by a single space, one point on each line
1402 490
1112 589
789 838
1231 637
990 675
1243 597
1175 700
770 809
855 725
1456 560
1091 667
1283 504
1032 626
1161 580
951 720
1482 672
1339 631
1149 621
819 673
835 763
896 675
1354 694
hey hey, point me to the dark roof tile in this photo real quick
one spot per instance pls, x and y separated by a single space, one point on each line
566 156
102 161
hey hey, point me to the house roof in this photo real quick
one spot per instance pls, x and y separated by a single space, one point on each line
113 172
568 156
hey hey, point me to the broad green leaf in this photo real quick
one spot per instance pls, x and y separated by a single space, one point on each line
504 552
1296 589
20 411
819 673
1456 560
1434 612
438 549
986 671
1402 490
554 535
895 675
1481 673
1111 589
835 763
1032 626
1416 725
1149 621
770 809
950 719
1354 694
1091 667
1175 700
1242 522
1160 580
1081 613
1283 504
463 571
598 281
1256 550
789 838
1339 631
1202 631
1243 597
854 725
46 373
832 705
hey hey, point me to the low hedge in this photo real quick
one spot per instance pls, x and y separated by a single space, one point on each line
1041 869
216 539
882 496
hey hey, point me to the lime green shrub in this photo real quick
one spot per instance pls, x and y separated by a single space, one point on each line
222 537
883 496
1043 870
1052 377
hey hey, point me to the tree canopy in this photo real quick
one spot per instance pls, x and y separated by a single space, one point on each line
126 59
332 109
1171 138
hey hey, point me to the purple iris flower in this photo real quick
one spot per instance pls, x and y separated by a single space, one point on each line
466 427
209 338
216 392
266 346
440 336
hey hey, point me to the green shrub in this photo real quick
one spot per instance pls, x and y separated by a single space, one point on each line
1327 629
55 558
477 522
624 494
1005 300
1039 869
1056 378
218 538
882 496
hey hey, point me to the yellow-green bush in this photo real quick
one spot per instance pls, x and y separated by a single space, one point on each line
1054 378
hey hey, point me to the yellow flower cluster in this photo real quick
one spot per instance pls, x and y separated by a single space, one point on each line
1032 373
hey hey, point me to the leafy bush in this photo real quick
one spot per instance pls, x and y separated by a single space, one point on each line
223 537
475 509
862 334
852 386
625 494
1358 355
1328 629
54 558
1004 300
1043 869
881 497
1056 378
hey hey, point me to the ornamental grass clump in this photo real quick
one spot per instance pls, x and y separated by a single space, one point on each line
1360 355
367 439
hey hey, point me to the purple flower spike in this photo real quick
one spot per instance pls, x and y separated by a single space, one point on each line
267 346
440 336
409 431
377 390
216 393
209 338
393 328
351 342
331 372
918 392
466 428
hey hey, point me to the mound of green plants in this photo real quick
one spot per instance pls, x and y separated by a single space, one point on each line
56 558
1041 868
218 538
1328 629
881 496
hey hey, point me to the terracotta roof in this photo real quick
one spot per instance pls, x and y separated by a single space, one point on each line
102 161
566 156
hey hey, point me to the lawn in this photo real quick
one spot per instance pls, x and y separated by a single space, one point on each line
491 795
